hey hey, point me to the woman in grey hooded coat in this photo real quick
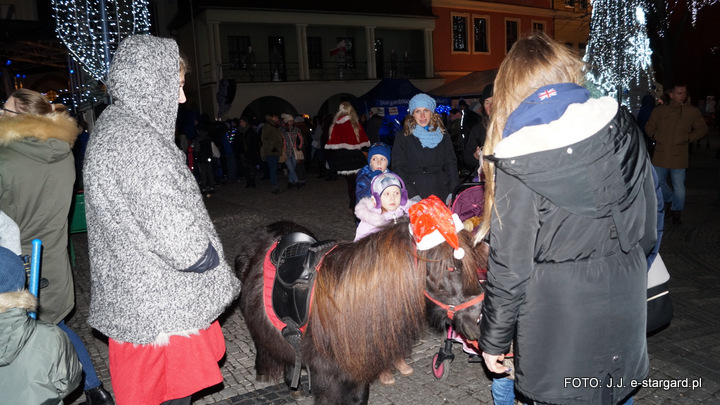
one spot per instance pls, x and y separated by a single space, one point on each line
159 277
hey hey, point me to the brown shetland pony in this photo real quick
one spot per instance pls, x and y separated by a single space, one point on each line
368 309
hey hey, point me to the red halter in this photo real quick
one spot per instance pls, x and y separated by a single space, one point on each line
451 309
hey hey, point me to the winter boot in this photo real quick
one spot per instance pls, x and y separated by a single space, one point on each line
98 396
677 217
668 213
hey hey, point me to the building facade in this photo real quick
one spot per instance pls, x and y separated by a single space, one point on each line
312 57
472 36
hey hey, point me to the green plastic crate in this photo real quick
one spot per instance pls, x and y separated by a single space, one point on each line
77 215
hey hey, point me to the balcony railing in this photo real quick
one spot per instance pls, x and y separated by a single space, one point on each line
289 72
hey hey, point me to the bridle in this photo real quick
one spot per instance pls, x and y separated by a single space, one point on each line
451 309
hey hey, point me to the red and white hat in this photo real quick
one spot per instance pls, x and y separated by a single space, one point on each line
432 223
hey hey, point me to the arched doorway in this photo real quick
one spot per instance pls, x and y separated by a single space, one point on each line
262 106
330 106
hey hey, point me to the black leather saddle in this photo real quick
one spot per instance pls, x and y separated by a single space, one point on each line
294 260
295 257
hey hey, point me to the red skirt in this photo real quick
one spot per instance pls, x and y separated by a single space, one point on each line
150 375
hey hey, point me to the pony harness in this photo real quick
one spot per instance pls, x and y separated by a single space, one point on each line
289 272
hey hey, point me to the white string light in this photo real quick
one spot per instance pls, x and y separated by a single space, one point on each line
696 5
618 52
80 28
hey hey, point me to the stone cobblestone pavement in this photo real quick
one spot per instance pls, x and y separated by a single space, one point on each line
688 351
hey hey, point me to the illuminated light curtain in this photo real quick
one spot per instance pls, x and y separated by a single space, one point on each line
92 29
618 53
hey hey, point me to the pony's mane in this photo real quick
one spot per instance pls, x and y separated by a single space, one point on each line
378 288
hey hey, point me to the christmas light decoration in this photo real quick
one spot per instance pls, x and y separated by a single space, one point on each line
618 53
84 93
92 29
231 134
663 9
696 5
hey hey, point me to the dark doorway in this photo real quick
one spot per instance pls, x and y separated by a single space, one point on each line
379 58
276 50
258 108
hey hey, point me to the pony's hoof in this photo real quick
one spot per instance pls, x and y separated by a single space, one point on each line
387 378
298 394
403 367
262 378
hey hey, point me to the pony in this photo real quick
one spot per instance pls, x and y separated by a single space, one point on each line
369 307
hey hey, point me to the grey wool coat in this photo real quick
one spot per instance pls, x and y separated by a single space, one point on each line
151 240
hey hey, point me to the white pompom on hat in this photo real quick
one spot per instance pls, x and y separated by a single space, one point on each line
432 223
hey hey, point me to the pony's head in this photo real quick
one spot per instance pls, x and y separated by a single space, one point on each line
453 286
455 282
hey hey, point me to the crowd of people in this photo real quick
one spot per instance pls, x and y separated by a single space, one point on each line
568 248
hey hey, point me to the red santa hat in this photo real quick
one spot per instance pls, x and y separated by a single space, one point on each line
432 223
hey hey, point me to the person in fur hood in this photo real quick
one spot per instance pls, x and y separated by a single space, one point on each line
38 364
37 170
159 278
37 174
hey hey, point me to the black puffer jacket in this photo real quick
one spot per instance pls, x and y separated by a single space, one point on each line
576 215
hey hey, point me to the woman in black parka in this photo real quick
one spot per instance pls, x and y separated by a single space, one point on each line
571 216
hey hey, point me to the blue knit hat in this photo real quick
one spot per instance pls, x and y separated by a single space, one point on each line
422 100
379 148
12 272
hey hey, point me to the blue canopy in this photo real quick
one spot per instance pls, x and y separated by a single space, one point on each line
391 97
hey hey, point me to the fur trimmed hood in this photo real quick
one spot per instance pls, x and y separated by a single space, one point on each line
60 126
17 299
365 211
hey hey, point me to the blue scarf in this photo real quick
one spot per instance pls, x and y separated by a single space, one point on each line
428 139
545 105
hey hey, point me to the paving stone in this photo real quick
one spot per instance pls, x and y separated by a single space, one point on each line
688 349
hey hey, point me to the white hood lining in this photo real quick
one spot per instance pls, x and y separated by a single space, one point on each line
579 122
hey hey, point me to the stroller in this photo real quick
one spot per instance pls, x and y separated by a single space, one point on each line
468 204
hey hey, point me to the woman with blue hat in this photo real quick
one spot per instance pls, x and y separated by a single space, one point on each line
423 153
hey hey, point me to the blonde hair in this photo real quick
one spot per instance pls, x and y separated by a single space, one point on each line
346 108
533 62
435 123
32 102
184 64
